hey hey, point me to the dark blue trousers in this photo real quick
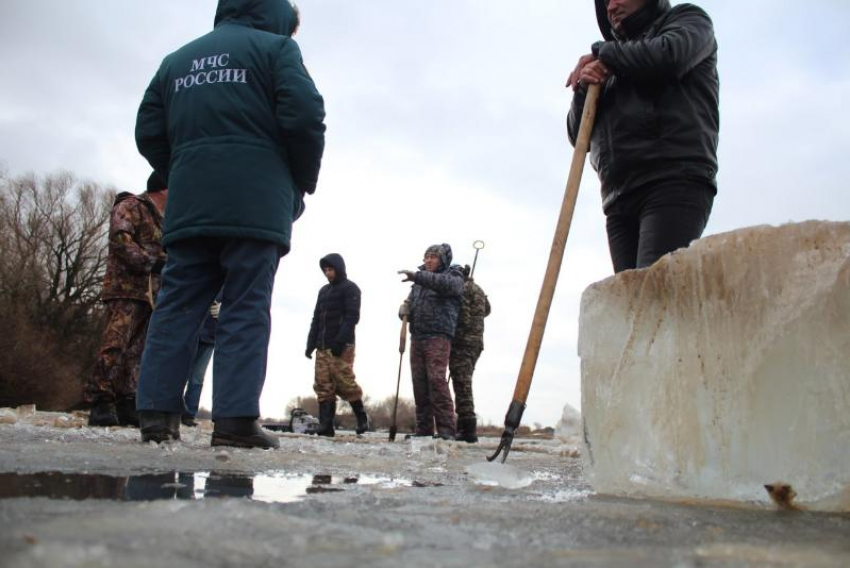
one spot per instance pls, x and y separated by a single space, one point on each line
244 271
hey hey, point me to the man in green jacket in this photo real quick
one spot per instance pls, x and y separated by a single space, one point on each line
234 123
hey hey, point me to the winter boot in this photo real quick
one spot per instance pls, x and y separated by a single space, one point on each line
103 414
327 413
360 413
126 411
466 430
159 426
188 420
242 433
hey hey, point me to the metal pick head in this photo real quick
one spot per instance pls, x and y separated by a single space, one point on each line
504 447
478 245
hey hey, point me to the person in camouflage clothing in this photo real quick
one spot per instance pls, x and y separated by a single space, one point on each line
130 285
467 345
432 309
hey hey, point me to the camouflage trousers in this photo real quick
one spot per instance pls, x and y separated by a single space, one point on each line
116 372
335 376
461 367
429 358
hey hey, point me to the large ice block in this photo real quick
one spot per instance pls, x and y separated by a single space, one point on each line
723 367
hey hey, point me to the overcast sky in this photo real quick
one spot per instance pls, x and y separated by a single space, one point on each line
445 124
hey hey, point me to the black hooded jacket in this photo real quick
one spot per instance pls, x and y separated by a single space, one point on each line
337 309
658 117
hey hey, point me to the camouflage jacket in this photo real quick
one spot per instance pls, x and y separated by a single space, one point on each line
470 322
135 246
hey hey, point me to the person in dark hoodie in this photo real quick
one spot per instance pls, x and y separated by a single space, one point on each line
654 144
432 309
234 123
133 263
331 336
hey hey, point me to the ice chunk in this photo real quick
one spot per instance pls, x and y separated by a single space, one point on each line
503 475
569 426
8 416
723 367
25 410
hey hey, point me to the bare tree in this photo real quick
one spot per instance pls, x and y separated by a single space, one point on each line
53 232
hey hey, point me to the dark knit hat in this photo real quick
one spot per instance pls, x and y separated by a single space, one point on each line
155 183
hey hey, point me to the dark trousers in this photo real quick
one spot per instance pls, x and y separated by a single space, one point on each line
647 223
197 372
244 270
429 358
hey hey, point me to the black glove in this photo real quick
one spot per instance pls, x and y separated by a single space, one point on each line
309 353
337 349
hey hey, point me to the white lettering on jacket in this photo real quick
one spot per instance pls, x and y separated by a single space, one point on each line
209 70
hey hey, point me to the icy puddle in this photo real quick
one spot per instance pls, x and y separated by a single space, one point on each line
269 488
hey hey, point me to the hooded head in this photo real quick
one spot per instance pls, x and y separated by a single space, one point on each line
336 262
444 251
276 16
634 24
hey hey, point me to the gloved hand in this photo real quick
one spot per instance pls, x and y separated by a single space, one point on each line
404 309
409 275
337 349
309 353
214 309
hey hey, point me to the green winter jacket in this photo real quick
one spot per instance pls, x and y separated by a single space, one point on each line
234 123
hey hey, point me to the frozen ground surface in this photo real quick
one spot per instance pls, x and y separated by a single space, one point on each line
356 501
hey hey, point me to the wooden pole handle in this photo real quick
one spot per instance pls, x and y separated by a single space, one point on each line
559 243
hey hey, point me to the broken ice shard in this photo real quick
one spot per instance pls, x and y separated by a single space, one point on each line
499 474
723 367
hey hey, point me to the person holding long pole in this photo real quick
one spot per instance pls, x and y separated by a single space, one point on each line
655 142
432 309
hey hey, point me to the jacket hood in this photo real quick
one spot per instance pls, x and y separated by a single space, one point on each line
635 23
124 195
444 251
275 16
336 262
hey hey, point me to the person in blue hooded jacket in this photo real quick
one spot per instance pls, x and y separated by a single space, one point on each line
432 309
654 144
234 124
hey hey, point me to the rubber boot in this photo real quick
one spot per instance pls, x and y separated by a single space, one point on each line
126 412
159 426
327 413
466 430
242 433
103 414
360 413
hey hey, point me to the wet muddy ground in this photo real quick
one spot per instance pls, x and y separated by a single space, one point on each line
78 496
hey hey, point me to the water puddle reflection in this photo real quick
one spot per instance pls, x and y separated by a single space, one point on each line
268 487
